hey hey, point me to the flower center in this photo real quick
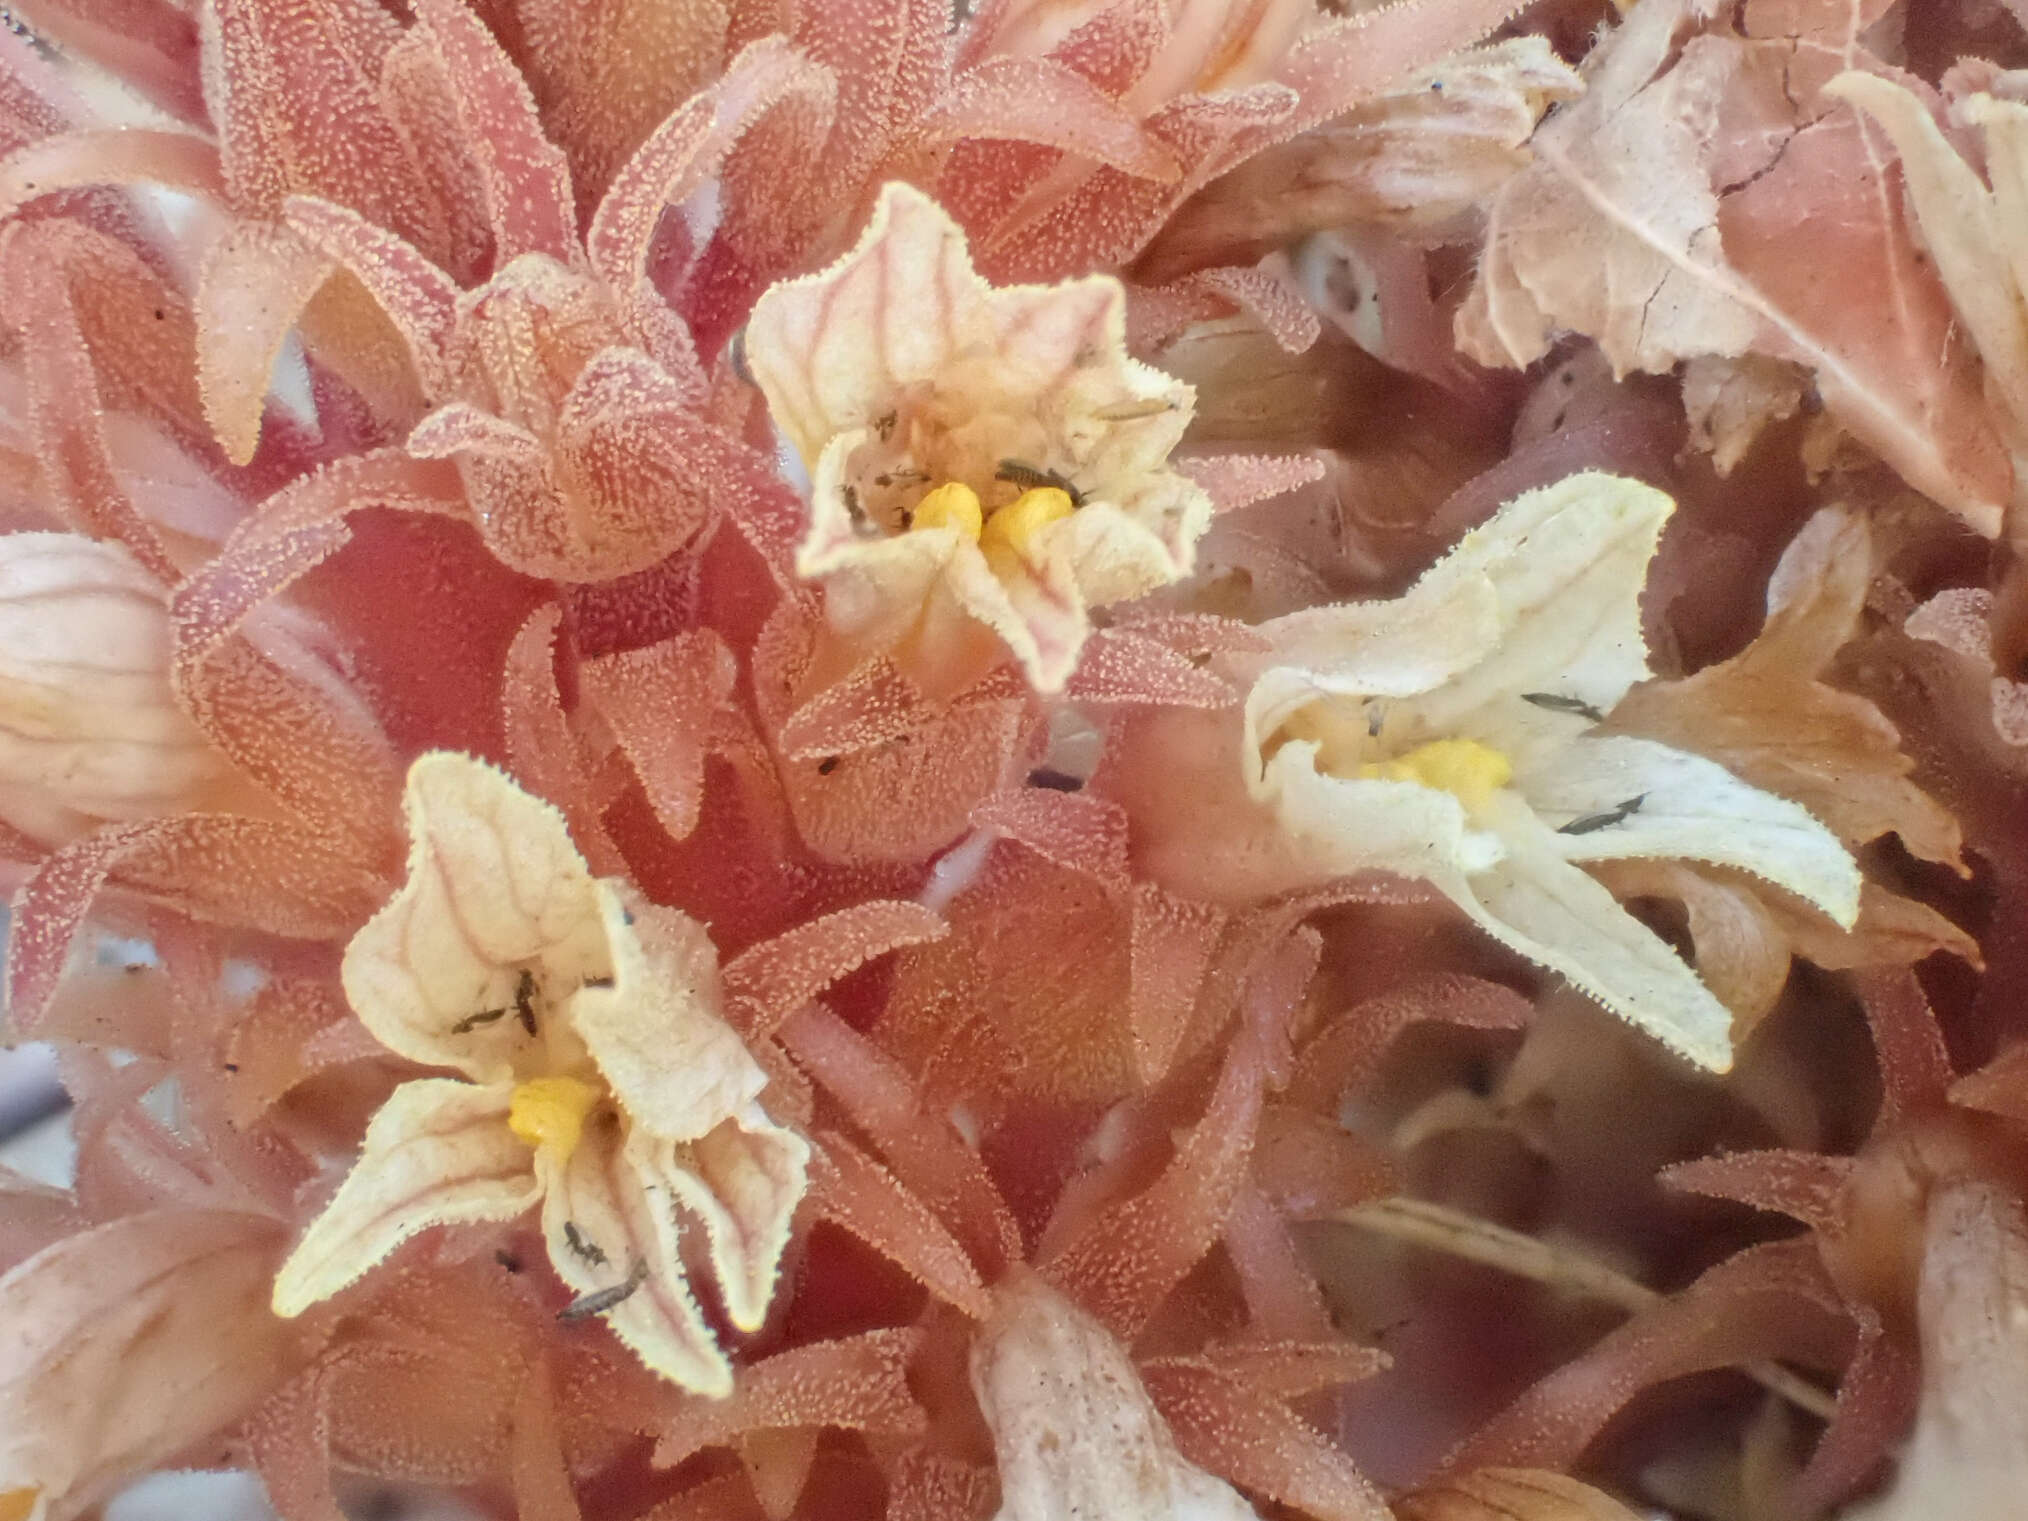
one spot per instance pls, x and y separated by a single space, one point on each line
1470 771
951 505
1007 531
550 1111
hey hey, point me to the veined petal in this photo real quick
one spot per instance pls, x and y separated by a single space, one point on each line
900 372
676 1068
609 1221
1567 563
1381 649
744 1180
1353 825
498 913
1543 596
1692 809
1556 915
829 347
438 1153
1033 602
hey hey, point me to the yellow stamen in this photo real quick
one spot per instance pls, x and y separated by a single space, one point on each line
951 505
1469 771
550 1111
16 1504
1014 526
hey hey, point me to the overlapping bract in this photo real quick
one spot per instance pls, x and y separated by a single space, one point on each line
899 996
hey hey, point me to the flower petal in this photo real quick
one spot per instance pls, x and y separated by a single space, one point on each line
900 366
744 1180
1693 809
676 1068
1558 571
438 1153
829 348
1371 825
495 888
1556 915
605 1221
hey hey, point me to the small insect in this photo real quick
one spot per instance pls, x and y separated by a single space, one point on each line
852 508
1606 820
883 426
1055 781
524 1000
596 982
1130 411
585 1249
1556 702
472 1022
1376 719
827 765
1032 477
903 477
598 1301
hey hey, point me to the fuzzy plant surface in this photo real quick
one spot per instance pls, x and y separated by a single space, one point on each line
1142 760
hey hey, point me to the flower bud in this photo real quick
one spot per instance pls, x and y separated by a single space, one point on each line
1074 1430
89 729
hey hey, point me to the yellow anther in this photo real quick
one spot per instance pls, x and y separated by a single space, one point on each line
1013 526
951 505
1469 771
550 1111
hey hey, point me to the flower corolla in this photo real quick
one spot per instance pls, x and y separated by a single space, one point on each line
1459 735
976 454
600 1081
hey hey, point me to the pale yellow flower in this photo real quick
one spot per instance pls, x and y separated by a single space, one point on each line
1449 735
599 1080
980 453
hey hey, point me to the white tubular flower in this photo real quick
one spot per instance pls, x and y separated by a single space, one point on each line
1451 735
601 1082
89 729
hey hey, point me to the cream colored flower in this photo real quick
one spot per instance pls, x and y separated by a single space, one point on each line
89 729
1450 735
1074 1431
601 1082
986 453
